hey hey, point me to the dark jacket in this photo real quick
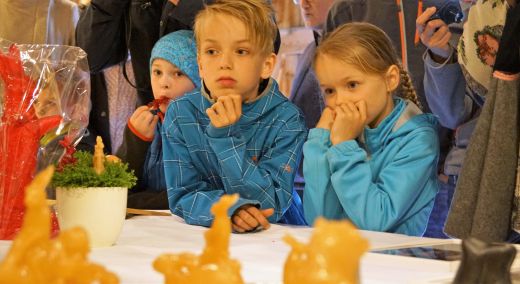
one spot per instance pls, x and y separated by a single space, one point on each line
145 159
108 29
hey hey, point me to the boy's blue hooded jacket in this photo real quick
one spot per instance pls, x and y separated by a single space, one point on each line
255 157
385 181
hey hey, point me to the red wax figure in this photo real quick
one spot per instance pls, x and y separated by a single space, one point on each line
155 105
22 125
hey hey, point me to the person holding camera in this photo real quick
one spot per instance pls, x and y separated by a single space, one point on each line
458 76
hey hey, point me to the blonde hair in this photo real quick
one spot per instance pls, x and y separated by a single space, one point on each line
256 15
369 48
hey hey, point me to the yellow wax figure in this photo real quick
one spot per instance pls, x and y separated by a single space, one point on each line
331 257
98 158
35 258
213 265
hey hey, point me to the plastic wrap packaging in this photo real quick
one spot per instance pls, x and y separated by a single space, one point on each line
44 108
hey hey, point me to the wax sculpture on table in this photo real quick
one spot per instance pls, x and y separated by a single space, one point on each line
332 255
36 258
214 264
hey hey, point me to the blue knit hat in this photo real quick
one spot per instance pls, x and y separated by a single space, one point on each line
179 49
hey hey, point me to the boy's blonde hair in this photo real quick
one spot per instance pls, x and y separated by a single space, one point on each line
369 48
257 16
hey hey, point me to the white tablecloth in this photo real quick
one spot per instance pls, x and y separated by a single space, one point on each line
262 255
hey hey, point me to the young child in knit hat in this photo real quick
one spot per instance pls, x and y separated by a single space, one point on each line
173 72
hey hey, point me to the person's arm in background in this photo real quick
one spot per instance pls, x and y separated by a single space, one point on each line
180 14
101 33
444 83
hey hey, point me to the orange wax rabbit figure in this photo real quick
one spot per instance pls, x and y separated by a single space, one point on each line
35 257
332 255
214 265
30 110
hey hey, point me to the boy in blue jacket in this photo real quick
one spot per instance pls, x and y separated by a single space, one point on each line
238 133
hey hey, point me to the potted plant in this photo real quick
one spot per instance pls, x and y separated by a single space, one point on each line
91 192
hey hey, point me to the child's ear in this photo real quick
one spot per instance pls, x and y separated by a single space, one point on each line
393 78
268 66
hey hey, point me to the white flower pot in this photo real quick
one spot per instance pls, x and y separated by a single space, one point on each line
100 211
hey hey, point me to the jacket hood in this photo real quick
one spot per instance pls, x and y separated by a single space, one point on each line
405 118
252 111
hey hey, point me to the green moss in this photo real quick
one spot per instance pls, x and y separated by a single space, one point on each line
81 174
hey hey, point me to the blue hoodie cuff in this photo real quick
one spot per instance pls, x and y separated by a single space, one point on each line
319 133
344 148
219 132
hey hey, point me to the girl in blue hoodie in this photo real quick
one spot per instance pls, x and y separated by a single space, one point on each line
373 154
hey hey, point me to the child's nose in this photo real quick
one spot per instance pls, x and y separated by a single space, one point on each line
341 99
165 82
225 61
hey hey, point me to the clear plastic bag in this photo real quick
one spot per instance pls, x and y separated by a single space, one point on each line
44 108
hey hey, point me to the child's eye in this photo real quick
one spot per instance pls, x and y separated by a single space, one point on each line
211 51
328 91
352 85
178 74
157 72
242 51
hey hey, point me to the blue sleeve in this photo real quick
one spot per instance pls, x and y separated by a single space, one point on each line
190 196
380 202
270 180
444 87
319 198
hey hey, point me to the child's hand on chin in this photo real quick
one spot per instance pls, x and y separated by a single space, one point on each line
326 119
248 218
144 122
349 122
226 111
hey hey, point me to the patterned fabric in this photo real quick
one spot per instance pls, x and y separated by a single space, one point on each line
255 157
478 46
179 49
122 99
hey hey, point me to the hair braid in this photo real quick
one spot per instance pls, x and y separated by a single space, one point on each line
408 90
